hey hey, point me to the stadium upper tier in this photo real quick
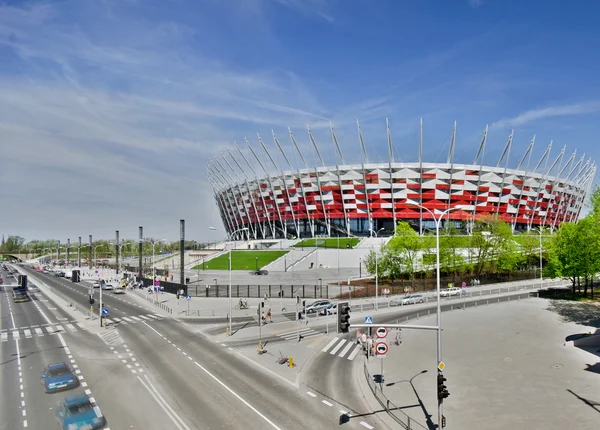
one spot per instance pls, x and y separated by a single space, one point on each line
359 199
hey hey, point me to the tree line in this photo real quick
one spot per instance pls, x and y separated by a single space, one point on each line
572 251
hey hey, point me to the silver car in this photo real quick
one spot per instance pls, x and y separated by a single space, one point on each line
413 299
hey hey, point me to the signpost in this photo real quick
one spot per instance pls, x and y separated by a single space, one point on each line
187 299
381 332
381 348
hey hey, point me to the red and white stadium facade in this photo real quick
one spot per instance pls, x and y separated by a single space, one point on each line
360 199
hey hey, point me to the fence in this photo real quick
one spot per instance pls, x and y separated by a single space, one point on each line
259 291
404 420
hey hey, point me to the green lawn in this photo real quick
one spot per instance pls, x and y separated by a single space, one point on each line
331 242
242 260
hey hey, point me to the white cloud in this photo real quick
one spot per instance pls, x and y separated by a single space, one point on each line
548 112
318 8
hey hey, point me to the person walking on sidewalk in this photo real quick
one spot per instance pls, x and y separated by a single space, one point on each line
369 346
269 316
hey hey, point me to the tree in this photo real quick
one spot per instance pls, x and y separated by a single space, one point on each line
12 244
451 258
406 245
491 236
564 254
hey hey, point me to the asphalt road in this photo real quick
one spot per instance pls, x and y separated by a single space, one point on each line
193 382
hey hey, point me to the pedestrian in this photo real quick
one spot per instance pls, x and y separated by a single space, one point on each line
269 316
369 346
363 340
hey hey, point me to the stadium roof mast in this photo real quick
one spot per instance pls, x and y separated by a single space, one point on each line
223 192
239 180
290 207
219 200
310 221
268 215
363 157
585 179
337 167
325 214
541 187
505 152
262 166
450 161
421 177
480 152
227 190
528 151
252 227
564 185
576 180
391 160
542 158
559 172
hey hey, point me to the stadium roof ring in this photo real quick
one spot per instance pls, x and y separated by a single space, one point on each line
365 198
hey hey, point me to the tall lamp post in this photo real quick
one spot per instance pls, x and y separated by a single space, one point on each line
377 268
540 228
439 311
230 295
154 242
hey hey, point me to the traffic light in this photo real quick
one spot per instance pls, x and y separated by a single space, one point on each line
442 390
343 325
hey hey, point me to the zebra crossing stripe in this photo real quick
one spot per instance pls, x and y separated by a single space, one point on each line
338 346
346 349
117 319
27 332
16 334
59 328
127 319
289 333
154 317
3 337
144 317
157 316
39 331
329 345
81 326
135 318
353 353
50 329
71 327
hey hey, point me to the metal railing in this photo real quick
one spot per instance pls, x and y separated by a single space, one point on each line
404 420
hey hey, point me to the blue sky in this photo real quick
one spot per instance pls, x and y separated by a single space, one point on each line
111 109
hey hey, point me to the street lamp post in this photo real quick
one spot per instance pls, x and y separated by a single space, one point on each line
154 242
230 287
377 268
541 276
439 311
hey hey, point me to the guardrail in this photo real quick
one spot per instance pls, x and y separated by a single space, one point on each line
158 304
404 420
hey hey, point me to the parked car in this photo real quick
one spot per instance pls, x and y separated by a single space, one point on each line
58 377
454 291
78 412
317 306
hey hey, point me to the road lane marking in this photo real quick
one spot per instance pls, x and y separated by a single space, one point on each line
345 350
364 424
327 403
71 327
311 394
353 353
39 331
168 410
3 337
49 329
329 345
127 319
338 346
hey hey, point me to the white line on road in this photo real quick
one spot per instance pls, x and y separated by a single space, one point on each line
330 344
345 350
311 394
338 346
327 403
168 410
353 353
364 424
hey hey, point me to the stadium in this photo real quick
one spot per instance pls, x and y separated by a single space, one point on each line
261 198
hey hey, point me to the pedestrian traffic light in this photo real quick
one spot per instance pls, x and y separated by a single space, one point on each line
441 387
343 317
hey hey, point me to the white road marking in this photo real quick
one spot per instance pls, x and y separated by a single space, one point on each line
127 319
311 394
338 346
329 345
39 331
163 404
345 350
3 337
364 424
353 353
327 403
71 327
50 329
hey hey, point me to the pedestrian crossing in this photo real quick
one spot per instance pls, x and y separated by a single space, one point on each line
304 332
67 327
342 348
133 319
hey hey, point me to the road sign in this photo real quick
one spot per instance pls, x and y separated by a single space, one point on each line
368 320
104 311
441 366
381 348
96 272
188 297
157 282
463 292
381 332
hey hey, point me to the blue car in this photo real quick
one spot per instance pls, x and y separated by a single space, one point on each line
58 377
78 413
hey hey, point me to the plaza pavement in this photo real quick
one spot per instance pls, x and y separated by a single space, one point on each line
507 367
